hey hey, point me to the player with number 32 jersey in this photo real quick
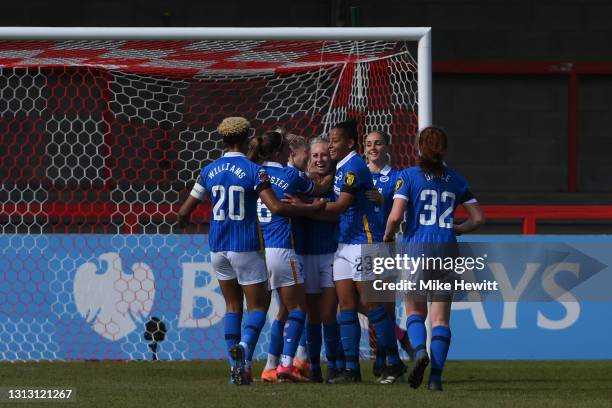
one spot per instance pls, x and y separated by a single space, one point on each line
433 200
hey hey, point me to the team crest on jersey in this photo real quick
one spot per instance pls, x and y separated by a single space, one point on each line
384 179
398 184
349 179
263 175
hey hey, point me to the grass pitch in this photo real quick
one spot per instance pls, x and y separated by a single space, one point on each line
205 384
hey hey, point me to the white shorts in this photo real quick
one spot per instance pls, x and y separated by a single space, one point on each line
318 272
285 267
248 267
355 261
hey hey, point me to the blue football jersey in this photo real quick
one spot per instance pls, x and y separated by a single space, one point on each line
276 228
432 202
385 183
233 183
363 222
320 237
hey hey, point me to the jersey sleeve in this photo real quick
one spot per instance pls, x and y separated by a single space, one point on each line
262 179
402 186
303 184
466 196
199 189
350 180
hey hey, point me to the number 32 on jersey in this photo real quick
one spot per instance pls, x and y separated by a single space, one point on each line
429 215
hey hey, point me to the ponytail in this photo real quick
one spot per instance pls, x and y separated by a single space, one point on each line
264 145
253 152
433 144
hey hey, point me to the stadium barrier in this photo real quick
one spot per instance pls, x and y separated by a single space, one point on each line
530 214
90 296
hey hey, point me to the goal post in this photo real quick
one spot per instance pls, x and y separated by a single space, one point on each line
103 131
421 35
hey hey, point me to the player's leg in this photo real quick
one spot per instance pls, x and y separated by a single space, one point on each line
380 360
301 360
380 320
294 298
416 310
275 347
232 321
401 335
329 310
331 332
348 305
313 336
286 275
385 333
233 295
440 341
258 300
350 329
311 366
251 272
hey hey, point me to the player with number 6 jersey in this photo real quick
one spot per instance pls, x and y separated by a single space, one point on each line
285 266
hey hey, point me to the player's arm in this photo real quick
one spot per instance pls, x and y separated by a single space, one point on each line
322 185
185 211
349 187
335 208
320 215
475 219
375 196
400 201
395 219
196 195
297 209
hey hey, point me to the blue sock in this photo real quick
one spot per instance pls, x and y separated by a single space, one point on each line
313 341
381 359
276 338
254 323
392 350
303 339
232 322
340 360
350 334
385 334
415 326
440 342
331 337
293 332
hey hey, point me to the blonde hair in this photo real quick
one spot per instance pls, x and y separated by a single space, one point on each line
319 139
234 129
296 142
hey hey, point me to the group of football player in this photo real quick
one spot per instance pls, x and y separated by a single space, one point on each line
303 219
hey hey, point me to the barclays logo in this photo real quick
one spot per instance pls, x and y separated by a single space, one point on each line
112 301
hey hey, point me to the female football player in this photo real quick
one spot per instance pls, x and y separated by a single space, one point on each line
234 184
428 195
384 177
285 266
360 233
321 300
